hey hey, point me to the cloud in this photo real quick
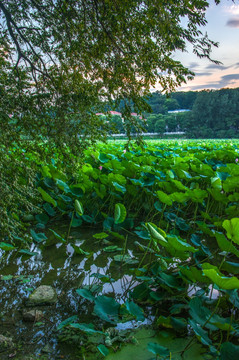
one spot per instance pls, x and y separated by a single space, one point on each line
230 77
233 22
225 81
203 74
217 67
232 9
193 65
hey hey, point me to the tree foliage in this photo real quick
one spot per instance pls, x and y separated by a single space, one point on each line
70 57
62 61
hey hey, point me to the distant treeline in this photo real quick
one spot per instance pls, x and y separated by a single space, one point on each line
213 113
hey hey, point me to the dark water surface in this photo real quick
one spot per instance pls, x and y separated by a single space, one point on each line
58 265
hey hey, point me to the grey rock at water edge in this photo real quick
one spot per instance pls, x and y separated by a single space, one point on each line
43 295
6 343
32 315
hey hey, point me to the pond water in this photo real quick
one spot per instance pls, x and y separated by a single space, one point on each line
59 266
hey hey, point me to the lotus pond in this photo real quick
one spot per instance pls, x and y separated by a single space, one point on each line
141 246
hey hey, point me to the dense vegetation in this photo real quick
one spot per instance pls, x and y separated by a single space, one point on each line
61 63
180 202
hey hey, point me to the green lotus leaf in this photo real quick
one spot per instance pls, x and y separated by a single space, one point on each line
107 308
79 208
135 310
156 233
120 213
87 328
87 294
229 351
223 282
232 228
164 198
63 186
47 197
6 246
103 349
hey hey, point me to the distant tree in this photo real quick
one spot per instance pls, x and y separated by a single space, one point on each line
171 104
160 125
152 120
215 114
185 99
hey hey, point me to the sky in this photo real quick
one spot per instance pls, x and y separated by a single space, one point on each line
222 27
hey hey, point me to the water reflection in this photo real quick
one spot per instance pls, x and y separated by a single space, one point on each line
58 265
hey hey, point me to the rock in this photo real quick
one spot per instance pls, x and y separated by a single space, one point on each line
43 295
32 315
6 343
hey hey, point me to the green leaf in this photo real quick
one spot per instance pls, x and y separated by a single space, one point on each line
66 199
6 247
179 197
57 236
126 259
116 235
102 277
232 228
66 322
87 168
107 308
79 251
229 351
119 187
164 198
103 158
112 248
87 294
230 267
227 283
101 235
137 182
155 233
197 195
179 245
76 222
120 213
63 186
27 252
50 211
225 245
201 334
198 312
40 237
135 310
47 197
158 350
79 208
103 349
192 273
87 328
88 219
42 218
170 280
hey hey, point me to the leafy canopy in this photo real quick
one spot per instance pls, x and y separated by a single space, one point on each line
69 57
61 62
